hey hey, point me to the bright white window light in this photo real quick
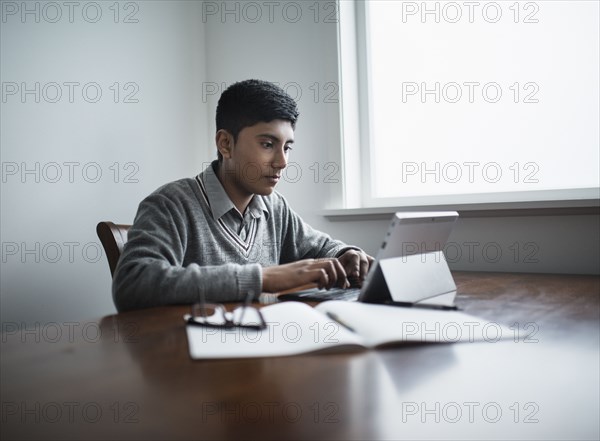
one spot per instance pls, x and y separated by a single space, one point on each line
472 98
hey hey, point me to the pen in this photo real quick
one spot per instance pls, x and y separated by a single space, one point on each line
335 318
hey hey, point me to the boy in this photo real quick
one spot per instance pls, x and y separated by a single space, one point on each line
226 232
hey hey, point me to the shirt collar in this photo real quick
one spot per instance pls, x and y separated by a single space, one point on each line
219 201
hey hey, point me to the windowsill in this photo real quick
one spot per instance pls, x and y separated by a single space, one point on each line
496 209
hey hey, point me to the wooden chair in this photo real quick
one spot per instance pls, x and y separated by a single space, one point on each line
113 238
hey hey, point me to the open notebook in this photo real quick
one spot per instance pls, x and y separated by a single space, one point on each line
296 328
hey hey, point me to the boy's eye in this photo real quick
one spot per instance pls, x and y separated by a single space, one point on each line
267 144
287 148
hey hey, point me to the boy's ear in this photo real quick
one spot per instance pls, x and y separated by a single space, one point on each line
224 142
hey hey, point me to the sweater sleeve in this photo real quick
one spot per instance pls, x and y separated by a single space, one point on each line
151 270
301 241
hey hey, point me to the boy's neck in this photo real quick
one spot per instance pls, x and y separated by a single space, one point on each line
240 199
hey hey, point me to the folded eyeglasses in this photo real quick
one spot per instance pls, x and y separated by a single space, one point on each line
214 315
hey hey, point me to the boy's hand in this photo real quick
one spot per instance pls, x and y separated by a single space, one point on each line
356 263
326 273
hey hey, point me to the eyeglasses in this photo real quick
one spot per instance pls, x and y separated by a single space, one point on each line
214 315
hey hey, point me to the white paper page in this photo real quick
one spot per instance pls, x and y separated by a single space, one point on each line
293 328
379 324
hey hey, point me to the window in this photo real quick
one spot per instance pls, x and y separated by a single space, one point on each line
470 102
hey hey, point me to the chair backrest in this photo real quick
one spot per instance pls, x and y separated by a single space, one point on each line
113 238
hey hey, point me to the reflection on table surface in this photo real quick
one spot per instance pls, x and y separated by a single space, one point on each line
130 376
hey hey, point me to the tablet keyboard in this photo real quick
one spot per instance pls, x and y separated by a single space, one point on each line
322 295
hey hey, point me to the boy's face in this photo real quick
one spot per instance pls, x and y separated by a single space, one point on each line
254 164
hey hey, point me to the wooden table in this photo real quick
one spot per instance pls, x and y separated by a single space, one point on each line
129 376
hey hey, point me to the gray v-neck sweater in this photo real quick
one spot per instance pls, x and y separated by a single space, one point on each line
176 248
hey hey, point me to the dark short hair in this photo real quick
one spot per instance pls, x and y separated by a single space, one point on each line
249 102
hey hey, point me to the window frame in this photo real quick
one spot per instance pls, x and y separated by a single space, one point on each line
355 117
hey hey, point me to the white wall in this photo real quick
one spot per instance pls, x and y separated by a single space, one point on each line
153 141
179 54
